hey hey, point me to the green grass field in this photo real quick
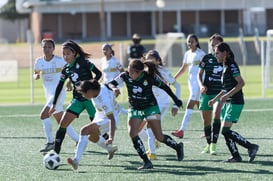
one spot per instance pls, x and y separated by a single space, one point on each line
20 92
22 136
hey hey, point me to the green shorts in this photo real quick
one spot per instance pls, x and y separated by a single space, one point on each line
204 99
142 114
76 107
231 112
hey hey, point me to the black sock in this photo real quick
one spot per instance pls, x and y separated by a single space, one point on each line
240 139
138 145
207 131
60 134
230 143
170 142
216 130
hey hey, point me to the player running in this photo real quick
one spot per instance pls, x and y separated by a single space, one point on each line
106 120
143 105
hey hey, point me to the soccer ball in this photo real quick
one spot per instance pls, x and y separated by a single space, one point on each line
52 160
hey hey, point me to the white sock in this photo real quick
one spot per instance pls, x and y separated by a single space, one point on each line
81 146
143 134
47 125
186 119
151 140
72 133
102 144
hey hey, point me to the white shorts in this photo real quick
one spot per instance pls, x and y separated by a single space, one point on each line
103 125
59 104
194 90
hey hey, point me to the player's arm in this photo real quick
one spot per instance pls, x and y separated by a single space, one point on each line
182 69
56 96
216 98
168 90
97 72
203 88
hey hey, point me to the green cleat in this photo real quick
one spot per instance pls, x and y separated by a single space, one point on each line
206 149
213 149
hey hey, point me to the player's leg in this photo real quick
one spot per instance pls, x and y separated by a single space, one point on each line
47 126
135 119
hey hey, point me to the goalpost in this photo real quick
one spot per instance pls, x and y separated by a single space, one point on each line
267 62
164 43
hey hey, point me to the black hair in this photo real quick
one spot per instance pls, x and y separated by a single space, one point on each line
151 70
225 47
44 41
155 54
86 85
74 47
194 37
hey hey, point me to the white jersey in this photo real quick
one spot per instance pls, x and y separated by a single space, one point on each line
161 96
110 68
105 104
50 72
193 59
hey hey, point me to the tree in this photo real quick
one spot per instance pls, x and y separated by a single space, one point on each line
8 12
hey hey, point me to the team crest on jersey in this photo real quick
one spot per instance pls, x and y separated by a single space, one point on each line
145 83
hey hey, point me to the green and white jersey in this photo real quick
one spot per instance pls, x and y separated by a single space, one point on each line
212 74
140 92
77 71
230 71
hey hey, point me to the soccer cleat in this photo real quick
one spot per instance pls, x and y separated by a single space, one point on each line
178 133
206 149
213 149
180 151
48 147
146 165
151 156
112 152
234 160
73 163
252 152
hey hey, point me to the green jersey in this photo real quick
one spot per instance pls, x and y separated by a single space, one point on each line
212 74
140 92
228 80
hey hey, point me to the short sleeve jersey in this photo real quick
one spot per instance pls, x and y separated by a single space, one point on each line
50 72
140 92
105 104
80 69
212 74
193 59
110 68
230 71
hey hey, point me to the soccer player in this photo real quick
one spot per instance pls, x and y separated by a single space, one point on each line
77 69
143 105
209 78
106 119
191 59
161 98
233 102
111 67
48 67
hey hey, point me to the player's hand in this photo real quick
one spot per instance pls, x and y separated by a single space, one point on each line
68 86
116 92
174 111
